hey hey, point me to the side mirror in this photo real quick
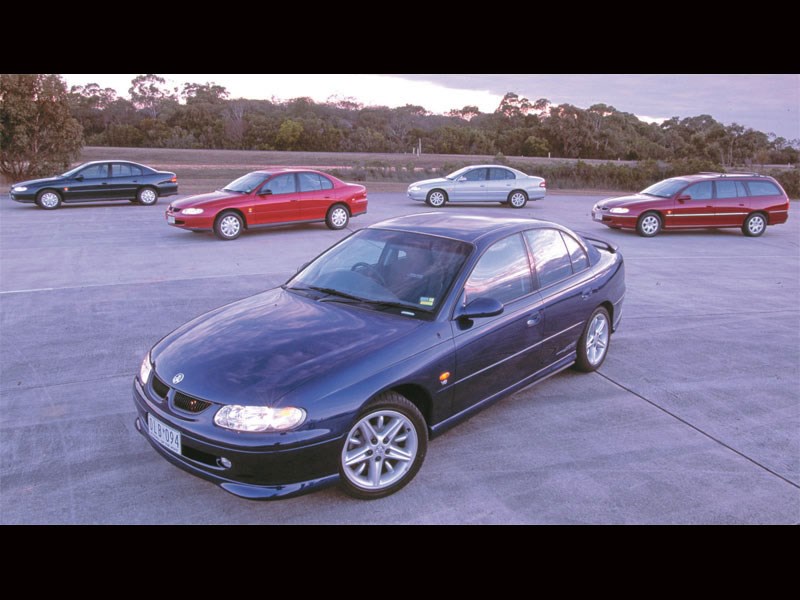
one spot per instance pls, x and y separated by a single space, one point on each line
462 179
480 307
265 193
684 198
79 178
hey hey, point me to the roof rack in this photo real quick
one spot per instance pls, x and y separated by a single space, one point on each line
736 174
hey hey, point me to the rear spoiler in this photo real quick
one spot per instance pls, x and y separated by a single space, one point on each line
599 242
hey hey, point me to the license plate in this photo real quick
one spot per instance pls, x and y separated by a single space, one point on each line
171 220
597 216
164 435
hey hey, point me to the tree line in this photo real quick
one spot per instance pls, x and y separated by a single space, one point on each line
202 115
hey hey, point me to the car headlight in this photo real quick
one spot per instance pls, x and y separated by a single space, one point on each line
145 369
19 188
414 188
258 418
192 211
619 210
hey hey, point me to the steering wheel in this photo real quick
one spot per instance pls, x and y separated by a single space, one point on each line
369 271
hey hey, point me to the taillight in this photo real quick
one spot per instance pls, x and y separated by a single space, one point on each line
543 184
174 179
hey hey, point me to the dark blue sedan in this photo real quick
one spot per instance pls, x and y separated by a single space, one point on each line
384 341
98 181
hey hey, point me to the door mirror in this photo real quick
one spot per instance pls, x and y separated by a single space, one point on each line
265 193
480 307
684 198
78 177
462 179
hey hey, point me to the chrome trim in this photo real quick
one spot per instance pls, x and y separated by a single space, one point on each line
516 354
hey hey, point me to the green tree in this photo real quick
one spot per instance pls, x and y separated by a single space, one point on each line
38 136
150 94
288 134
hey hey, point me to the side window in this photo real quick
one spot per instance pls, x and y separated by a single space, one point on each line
576 253
727 189
135 171
502 273
121 170
476 175
497 174
95 171
327 184
309 182
281 184
762 188
741 190
699 191
550 255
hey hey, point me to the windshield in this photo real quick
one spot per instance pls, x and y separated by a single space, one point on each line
459 173
73 171
666 188
410 272
246 183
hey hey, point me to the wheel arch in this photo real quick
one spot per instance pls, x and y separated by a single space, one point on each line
418 396
233 210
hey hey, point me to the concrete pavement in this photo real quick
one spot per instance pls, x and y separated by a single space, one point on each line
693 418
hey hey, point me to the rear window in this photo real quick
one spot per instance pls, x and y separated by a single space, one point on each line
763 188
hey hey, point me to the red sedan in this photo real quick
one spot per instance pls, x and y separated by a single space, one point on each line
271 197
745 200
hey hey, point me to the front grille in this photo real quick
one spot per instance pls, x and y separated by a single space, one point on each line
159 387
189 404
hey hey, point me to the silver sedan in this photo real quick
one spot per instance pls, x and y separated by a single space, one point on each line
480 183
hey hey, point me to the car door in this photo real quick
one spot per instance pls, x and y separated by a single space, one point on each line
561 267
121 184
314 197
90 183
492 353
470 187
500 184
277 200
730 202
694 207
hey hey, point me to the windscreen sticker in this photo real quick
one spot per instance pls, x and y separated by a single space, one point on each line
425 301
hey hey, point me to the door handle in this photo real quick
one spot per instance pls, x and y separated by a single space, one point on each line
534 319
586 293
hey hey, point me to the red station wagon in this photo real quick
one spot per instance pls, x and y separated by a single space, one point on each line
746 200
270 197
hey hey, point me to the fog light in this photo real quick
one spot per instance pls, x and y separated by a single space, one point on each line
224 462
138 424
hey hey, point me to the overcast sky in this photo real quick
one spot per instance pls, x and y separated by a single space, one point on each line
768 103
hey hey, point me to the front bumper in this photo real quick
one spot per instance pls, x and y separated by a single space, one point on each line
201 222
624 221
23 197
255 472
419 195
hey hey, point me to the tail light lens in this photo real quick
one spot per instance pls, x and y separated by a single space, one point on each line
543 184
174 179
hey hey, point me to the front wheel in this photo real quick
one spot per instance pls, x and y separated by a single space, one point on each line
384 449
436 198
754 225
649 224
593 345
228 226
337 217
147 196
48 199
517 199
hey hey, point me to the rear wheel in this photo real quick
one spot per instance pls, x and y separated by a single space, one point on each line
436 198
754 225
228 226
147 196
338 217
649 224
384 449
593 345
48 199
517 199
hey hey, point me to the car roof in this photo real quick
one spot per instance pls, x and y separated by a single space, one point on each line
272 170
708 175
466 228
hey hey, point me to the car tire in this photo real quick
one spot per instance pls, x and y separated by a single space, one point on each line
517 199
594 341
367 468
436 198
48 199
147 196
338 217
754 225
649 224
228 225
